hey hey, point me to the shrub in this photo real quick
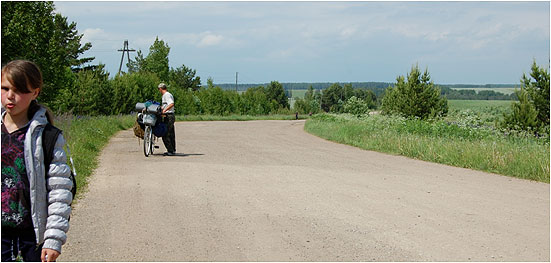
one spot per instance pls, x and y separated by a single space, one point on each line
416 97
356 106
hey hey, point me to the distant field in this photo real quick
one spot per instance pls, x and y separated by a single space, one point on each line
298 93
478 112
505 91
478 105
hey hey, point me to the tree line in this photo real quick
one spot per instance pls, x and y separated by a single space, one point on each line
451 91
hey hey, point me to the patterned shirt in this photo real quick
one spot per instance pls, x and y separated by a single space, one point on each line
16 205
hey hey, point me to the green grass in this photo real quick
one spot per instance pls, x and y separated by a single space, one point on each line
479 148
86 137
478 112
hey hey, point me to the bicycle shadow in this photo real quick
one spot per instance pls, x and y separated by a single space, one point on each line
179 154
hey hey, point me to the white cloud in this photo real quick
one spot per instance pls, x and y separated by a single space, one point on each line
92 33
209 39
348 32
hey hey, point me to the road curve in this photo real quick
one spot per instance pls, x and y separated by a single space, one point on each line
268 191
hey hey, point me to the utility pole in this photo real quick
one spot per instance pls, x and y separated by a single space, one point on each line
125 49
236 81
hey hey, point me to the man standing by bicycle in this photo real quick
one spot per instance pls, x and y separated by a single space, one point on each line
167 105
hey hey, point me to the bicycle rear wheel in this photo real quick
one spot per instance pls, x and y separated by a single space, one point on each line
148 141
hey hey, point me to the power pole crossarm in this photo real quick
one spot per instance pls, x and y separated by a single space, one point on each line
127 50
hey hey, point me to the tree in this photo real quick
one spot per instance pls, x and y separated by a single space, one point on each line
128 89
275 92
332 98
91 93
524 115
416 97
538 92
155 62
255 101
531 112
31 31
184 78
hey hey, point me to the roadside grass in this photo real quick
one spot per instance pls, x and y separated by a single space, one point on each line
86 137
457 144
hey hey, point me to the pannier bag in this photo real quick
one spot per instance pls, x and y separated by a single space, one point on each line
138 130
160 129
149 119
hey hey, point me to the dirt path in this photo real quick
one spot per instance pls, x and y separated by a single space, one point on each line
268 191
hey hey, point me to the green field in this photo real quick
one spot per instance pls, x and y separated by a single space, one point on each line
298 93
506 91
478 105
478 112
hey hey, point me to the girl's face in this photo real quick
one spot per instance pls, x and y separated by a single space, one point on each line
14 101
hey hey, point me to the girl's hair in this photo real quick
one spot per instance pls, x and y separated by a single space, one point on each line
24 74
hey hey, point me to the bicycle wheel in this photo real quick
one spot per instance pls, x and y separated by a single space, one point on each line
148 141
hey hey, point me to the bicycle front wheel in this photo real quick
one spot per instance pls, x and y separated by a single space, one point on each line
148 141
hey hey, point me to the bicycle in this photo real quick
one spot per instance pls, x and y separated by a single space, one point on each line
150 113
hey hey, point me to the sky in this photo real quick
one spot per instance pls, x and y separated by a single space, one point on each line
457 42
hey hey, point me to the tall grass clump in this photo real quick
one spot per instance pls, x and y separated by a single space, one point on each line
86 137
460 144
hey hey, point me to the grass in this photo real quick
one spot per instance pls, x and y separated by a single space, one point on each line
86 137
478 112
457 144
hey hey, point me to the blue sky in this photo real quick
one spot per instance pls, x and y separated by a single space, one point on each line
459 42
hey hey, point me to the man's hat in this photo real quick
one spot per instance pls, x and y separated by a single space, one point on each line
162 86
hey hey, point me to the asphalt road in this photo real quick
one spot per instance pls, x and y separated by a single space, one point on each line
268 191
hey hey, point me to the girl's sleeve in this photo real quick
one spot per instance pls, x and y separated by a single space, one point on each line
59 187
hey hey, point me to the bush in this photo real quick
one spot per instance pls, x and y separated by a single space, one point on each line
416 97
356 106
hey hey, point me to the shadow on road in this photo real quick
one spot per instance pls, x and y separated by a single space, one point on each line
178 154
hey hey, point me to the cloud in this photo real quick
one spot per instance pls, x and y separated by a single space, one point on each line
209 39
348 32
92 33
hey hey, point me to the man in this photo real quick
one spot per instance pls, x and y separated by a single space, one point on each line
168 109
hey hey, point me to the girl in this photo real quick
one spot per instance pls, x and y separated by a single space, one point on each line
35 199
